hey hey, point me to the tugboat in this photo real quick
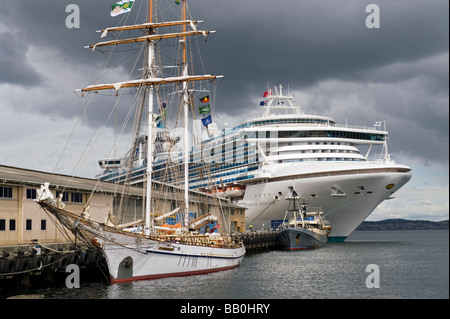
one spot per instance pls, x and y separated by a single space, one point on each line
305 229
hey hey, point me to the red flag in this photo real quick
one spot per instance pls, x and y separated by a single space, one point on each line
265 94
205 99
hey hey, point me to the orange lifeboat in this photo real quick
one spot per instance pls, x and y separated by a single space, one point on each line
219 192
235 191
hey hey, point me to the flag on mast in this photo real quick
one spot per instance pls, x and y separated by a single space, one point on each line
204 109
207 120
267 93
120 7
205 99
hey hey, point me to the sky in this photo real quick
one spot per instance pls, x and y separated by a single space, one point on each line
322 50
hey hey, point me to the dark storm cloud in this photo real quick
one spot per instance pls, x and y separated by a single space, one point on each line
321 48
303 42
43 23
398 72
14 68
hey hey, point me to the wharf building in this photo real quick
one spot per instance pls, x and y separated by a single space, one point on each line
22 221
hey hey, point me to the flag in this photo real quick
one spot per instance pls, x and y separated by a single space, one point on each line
162 115
262 103
120 7
207 120
377 124
267 93
205 99
204 109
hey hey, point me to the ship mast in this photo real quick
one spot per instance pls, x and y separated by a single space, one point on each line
150 81
185 109
150 74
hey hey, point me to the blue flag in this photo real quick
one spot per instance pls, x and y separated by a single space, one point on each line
207 120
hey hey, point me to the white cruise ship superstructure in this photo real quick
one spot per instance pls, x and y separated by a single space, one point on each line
255 163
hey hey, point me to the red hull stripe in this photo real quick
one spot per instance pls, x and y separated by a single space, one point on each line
175 274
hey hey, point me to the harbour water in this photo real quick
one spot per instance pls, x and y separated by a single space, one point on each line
410 264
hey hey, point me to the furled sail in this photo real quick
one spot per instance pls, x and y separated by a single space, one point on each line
149 82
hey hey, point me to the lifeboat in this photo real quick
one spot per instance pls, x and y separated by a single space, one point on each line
234 191
169 229
219 192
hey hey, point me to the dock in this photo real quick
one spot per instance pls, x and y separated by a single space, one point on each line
28 266
255 241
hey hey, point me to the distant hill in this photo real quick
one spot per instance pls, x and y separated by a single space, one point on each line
403 224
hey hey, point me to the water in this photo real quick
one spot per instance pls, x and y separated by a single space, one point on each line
412 264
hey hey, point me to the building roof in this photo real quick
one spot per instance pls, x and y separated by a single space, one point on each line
20 176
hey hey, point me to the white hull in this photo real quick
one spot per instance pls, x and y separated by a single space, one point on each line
138 258
132 256
360 193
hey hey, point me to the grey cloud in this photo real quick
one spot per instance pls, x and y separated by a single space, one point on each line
13 63
320 48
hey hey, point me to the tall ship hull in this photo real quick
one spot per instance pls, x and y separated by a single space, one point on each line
134 256
169 260
162 260
254 163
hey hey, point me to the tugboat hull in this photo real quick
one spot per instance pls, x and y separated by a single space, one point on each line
299 238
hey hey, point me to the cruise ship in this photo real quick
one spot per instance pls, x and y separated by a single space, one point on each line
256 163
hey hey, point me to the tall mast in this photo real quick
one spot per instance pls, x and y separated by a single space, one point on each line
150 81
186 132
149 71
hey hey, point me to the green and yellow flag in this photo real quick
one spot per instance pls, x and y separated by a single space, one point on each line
120 7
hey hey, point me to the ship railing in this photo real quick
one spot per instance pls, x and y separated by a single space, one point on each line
369 128
381 161
314 209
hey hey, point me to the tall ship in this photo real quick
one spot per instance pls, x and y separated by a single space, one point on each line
152 247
